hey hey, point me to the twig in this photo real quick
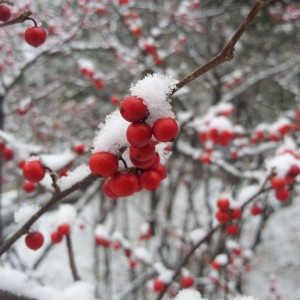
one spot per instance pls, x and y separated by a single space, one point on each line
71 258
227 52
51 203
20 19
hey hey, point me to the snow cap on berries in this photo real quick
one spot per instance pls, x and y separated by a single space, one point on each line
154 89
188 294
66 214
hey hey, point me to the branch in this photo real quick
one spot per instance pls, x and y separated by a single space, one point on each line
227 53
20 19
71 258
50 204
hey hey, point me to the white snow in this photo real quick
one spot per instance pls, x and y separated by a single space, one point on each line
19 284
244 298
282 163
101 232
73 177
24 213
188 294
66 214
154 90
57 161
142 254
222 259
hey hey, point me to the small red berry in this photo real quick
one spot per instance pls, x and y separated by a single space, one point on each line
35 36
8 154
222 217
187 281
133 109
143 153
29 186
107 190
56 237
104 164
4 13
215 265
102 242
159 285
232 229
34 240
282 194
278 182
165 130
33 170
161 169
80 148
64 229
138 134
256 210
223 204
235 214
124 184
150 180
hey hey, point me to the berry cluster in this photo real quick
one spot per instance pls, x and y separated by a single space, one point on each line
62 229
96 80
229 215
147 172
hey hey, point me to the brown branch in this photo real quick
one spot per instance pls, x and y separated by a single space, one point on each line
20 19
227 52
50 204
71 258
187 257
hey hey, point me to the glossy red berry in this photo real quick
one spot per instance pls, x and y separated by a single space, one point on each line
235 214
107 189
278 182
124 184
143 153
165 130
102 242
222 217
138 134
80 148
35 36
33 170
215 265
143 164
187 281
56 237
29 186
133 109
232 229
8 154
256 210
34 240
104 164
150 180
159 285
161 169
64 229
223 204
282 194
4 13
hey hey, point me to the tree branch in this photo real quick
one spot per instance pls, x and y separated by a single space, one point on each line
20 19
226 53
71 258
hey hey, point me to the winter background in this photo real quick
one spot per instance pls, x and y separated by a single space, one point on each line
66 93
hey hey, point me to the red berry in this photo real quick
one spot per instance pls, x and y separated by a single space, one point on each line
256 210
235 214
222 217
132 263
34 240
56 237
150 180
205 158
8 154
215 265
161 169
143 164
80 148
223 204
278 182
35 36
124 184
107 190
133 109
98 83
102 242
165 130
138 134
294 171
159 285
33 170
29 186
104 164
64 229
282 194
232 229
187 281
114 100
4 13
143 153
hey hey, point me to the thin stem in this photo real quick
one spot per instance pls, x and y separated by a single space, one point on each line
33 20
71 258
226 53
124 162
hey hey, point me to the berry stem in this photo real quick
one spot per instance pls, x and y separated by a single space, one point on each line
124 162
33 20
54 177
